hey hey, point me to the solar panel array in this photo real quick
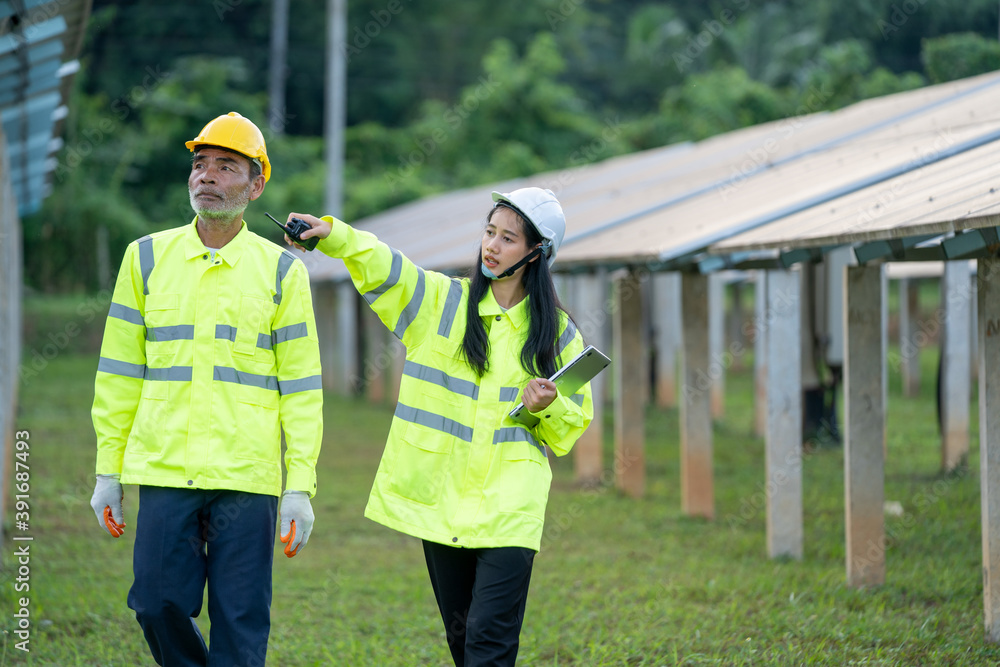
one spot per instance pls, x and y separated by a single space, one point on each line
39 41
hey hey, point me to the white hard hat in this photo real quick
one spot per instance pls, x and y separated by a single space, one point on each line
540 208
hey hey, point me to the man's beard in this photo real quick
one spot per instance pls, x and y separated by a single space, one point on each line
227 209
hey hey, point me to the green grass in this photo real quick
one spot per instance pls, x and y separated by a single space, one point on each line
618 582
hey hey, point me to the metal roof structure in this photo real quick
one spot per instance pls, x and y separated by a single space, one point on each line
39 41
947 206
664 208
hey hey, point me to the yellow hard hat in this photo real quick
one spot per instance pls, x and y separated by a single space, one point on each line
236 133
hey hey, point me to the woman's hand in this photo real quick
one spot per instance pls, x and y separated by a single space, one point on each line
320 228
539 394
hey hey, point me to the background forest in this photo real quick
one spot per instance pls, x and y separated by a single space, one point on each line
444 95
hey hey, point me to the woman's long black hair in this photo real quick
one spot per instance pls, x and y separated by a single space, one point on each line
538 356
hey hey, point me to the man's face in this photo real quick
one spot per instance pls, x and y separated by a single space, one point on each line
220 186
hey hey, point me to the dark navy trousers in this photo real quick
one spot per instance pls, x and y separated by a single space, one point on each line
481 594
186 539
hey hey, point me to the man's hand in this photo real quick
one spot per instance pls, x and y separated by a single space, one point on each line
296 520
320 228
539 394
107 504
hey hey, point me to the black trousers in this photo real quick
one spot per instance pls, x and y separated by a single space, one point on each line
481 594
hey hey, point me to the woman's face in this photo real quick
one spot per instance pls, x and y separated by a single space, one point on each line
504 242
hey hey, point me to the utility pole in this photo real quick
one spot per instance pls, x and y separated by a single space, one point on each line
278 66
336 104
342 346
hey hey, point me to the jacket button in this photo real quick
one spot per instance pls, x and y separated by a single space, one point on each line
498 318
190 482
454 539
204 256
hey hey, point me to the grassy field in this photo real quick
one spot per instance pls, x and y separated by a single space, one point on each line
618 582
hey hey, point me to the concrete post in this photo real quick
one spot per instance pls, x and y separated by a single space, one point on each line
697 491
783 451
864 455
630 397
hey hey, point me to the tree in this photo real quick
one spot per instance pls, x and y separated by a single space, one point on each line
958 56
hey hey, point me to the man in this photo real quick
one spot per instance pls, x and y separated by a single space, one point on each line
209 355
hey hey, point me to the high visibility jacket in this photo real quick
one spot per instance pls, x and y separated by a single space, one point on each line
456 468
204 362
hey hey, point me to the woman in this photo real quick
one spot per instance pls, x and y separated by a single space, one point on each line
457 471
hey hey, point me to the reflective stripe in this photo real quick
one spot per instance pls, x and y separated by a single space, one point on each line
436 422
286 387
508 394
451 305
577 398
146 261
123 368
412 308
139 371
228 332
225 332
284 263
130 315
226 374
395 270
291 332
176 332
440 378
169 374
516 434
566 338
264 341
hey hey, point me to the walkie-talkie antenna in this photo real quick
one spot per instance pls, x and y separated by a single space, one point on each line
283 228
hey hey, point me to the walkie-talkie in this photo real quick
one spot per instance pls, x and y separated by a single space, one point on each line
296 227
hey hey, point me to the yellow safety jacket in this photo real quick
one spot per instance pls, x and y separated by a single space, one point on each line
457 469
204 362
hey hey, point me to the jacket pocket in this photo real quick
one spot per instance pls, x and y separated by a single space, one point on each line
249 326
162 308
258 433
147 432
420 468
524 481
445 378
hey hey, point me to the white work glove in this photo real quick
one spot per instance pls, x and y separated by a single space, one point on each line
107 504
296 520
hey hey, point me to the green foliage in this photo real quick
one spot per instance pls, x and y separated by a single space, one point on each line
515 91
723 100
959 56
882 82
772 44
843 73
517 119
61 241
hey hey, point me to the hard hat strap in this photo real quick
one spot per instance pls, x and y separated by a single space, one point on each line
527 258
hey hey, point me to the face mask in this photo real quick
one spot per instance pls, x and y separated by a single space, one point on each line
509 272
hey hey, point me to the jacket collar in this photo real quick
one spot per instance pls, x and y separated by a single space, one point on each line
518 315
230 254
